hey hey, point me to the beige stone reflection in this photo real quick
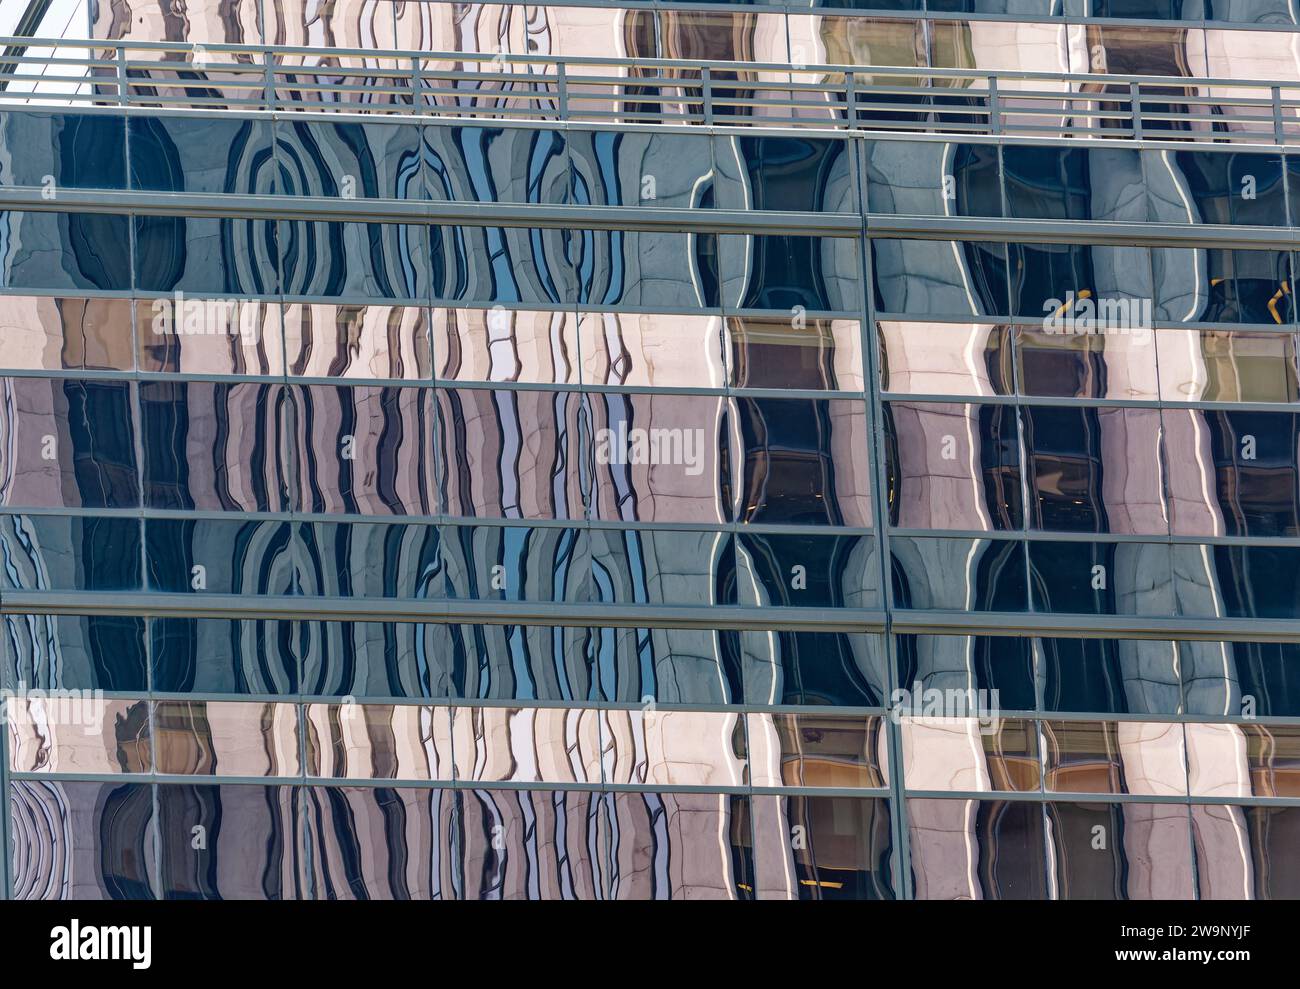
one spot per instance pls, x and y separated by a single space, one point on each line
1230 761
673 748
526 745
51 334
506 345
941 482
1225 859
1119 365
327 341
671 845
223 738
209 22
945 849
817 750
641 349
379 741
77 734
202 336
1115 757
1273 56
942 358
969 754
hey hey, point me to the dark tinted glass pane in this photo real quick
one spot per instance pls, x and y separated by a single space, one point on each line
1126 851
811 175
220 557
1247 678
1258 478
1003 666
374 659
219 656
1073 183
349 160
517 563
1214 285
1238 581
1004 839
358 559
933 179
962 574
1213 187
808 571
1101 578
787 273
497 165
64 554
807 667
642 169
359 261
823 848
517 662
200 154
88 652
66 251
501 264
1107 287
75 150
1251 852
667 665
1110 676
660 566
940 278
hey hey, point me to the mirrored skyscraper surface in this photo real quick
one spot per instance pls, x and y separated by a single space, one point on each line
698 451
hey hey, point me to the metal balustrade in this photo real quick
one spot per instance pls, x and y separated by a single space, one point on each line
461 85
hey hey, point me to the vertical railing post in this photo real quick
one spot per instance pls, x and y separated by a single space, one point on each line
268 80
706 93
851 97
123 89
417 85
1135 108
995 107
562 85
1279 135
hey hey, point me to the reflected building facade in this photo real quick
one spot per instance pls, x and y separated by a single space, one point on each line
439 497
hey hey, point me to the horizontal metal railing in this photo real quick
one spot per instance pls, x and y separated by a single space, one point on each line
959 101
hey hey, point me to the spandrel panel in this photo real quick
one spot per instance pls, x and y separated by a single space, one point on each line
794 352
642 349
1115 757
960 574
1227 366
251 848
1095 470
510 454
214 447
203 256
932 178
770 271
65 251
68 444
374 659
1078 287
945 359
940 278
1246 852
74 652
847 851
1144 851
526 744
501 265
1216 187
821 668
85 553
965 748
366 449
1001 667
220 738
1260 679
77 734
335 160
817 750
207 154
359 559
517 563
648 168
661 457
952 466
208 336
496 164
1111 676
379 843
107 860
678 846
352 341
807 571
378 741
520 662
796 174
214 655
70 150
673 748
803 462
1087 365
507 345
217 556
1247 760
530 845
646 269
1218 285
662 566
357 261
977 849
1124 578
1237 581
44 333
665 665
1074 183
